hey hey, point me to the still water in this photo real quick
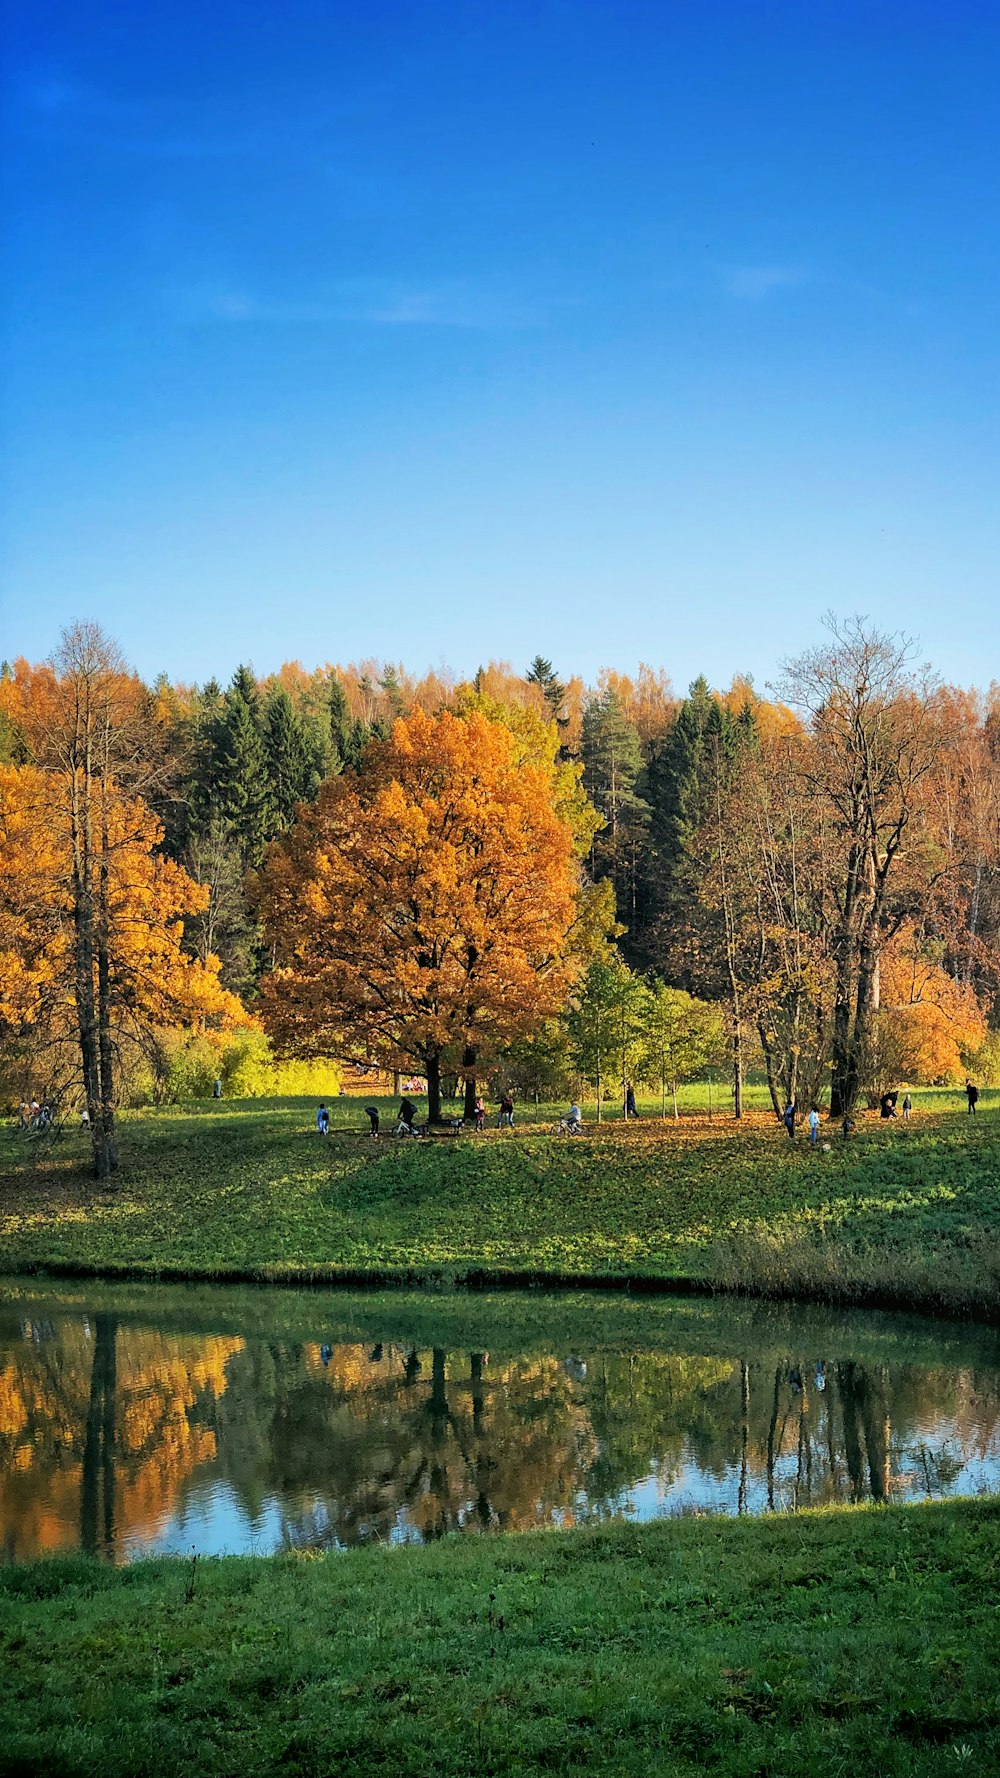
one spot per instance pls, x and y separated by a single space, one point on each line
150 1420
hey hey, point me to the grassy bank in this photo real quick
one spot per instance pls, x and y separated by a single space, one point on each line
900 1214
859 1641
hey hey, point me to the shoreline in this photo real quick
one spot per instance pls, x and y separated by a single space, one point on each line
905 1220
480 1279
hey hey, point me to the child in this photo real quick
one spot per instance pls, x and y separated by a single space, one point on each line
323 1121
813 1125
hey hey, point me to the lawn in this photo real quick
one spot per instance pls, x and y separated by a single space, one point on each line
859 1641
900 1214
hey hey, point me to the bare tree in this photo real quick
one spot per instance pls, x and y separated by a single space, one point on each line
878 735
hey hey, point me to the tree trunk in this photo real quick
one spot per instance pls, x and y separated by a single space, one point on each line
841 1099
86 1011
109 1152
861 1046
469 1067
433 1065
737 1060
772 1084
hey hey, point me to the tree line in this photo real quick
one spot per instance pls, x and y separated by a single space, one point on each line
515 873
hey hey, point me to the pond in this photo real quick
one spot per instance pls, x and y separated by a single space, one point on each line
141 1420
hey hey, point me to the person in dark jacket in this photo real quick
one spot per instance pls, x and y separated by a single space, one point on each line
788 1118
972 1094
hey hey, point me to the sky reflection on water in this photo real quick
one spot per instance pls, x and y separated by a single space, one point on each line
126 1432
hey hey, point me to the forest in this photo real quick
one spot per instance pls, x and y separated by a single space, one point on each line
517 879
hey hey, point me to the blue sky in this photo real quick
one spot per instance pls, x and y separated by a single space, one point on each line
614 332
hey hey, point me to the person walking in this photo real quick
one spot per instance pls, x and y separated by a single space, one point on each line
814 1125
323 1121
480 1113
972 1094
788 1119
907 1107
506 1117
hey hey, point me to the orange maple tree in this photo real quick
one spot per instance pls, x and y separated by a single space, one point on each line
420 911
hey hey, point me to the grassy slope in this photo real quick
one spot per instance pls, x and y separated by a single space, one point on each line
861 1641
905 1213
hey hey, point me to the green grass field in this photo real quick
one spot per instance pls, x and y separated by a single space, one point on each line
905 1214
858 1642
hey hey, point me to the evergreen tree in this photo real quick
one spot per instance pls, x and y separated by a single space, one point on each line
243 797
13 750
341 726
245 686
360 734
290 768
682 785
541 673
389 685
612 761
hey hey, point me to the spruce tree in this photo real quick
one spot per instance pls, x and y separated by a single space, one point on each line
541 673
290 768
612 761
682 784
243 798
340 725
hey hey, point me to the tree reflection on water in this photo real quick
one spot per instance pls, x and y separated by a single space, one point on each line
112 1432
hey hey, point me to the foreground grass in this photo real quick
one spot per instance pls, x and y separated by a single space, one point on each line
901 1214
861 1641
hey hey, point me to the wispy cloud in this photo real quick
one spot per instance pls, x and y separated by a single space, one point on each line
473 304
754 283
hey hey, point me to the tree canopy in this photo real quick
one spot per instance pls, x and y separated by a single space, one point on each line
422 909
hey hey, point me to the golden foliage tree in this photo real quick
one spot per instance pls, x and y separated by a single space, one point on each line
930 1019
91 914
422 910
